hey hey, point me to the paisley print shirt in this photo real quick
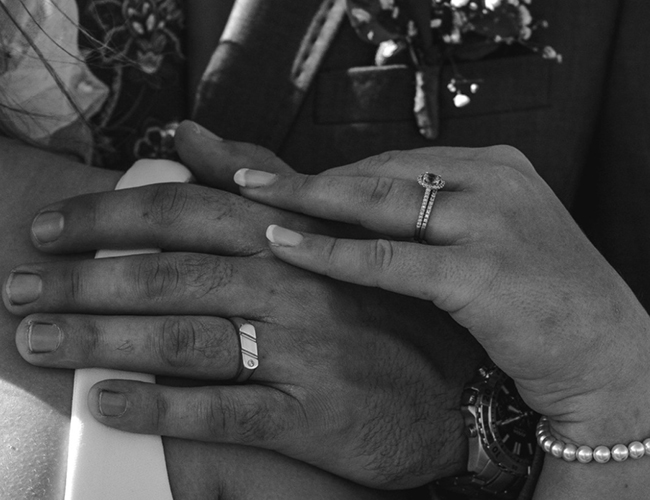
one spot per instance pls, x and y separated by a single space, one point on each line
135 47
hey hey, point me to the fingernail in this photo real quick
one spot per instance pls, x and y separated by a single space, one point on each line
47 227
282 237
43 337
199 130
112 404
23 288
246 177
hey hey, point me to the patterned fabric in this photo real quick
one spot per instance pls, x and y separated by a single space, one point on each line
46 104
461 28
135 47
100 79
430 33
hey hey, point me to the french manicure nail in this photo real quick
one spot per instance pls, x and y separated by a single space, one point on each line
47 227
199 130
283 237
23 288
112 404
246 177
43 337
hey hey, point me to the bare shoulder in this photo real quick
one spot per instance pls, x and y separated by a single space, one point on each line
34 402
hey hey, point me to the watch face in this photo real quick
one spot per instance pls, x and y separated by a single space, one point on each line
512 424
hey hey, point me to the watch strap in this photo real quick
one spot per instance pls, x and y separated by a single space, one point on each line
502 486
486 478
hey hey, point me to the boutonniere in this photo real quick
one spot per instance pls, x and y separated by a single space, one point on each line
428 33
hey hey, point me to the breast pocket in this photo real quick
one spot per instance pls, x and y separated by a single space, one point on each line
385 94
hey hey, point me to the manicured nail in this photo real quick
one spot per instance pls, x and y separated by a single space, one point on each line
23 288
199 130
43 337
47 227
282 237
112 404
246 177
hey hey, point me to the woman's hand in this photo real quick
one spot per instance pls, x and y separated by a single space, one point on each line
358 381
504 258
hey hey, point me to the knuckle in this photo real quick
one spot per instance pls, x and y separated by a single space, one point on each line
182 275
504 151
158 277
190 342
89 209
179 342
76 283
511 181
90 342
378 189
217 415
159 411
164 204
508 155
216 206
254 424
330 254
204 274
380 255
303 187
381 160
249 423
265 159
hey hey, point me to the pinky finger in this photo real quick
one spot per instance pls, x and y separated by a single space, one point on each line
252 414
439 274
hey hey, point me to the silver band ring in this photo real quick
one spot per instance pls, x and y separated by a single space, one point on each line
431 183
248 349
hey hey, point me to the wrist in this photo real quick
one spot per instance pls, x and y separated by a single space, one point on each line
576 481
611 424
448 457
601 395
451 458
617 414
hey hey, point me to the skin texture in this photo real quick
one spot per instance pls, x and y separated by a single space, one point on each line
35 401
504 255
35 409
507 261
344 382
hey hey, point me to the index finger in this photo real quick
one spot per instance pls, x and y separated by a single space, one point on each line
171 217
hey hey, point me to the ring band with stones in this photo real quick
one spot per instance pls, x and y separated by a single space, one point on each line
431 183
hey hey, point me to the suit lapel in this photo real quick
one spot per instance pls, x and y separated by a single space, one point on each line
263 66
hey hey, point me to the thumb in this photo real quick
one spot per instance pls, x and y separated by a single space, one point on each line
214 160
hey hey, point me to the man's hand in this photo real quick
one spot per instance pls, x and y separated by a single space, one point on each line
358 381
35 401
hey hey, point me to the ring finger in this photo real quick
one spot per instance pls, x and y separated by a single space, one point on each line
199 347
387 205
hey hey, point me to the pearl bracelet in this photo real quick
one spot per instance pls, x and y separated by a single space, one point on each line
585 454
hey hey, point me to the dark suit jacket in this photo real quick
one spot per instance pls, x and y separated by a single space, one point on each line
300 82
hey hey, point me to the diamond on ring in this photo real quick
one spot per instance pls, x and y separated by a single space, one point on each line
431 183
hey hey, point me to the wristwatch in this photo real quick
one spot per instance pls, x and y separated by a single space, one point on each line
501 432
